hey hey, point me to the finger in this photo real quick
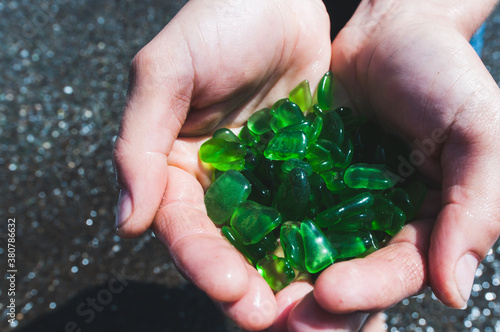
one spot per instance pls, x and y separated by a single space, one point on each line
195 244
158 100
469 222
381 279
286 300
309 316
257 309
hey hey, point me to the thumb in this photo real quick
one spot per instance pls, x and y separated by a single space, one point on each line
160 85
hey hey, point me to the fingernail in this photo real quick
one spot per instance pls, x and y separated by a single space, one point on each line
465 272
124 208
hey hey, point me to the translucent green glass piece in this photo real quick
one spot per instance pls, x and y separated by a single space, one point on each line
318 111
292 163
227 135
400 198
320 194
233 238
347 149
373 177
333 128
317 126
352 244
260 122
286 145
225 194
293 245
237 165
217 150
293 195
277 272
417 192
354 222
349 193
319 157
260 193
388 217
319 253
334 214
334 179
324 93
285 115
247 137
301 95
253 221
278 103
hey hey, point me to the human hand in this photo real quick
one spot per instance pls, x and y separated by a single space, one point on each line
410 64
213 65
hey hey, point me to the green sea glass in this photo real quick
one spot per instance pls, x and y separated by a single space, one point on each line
344 209
301 95
286 145
276 271
318 251
253 221
373 177
260 122
285 115
293 244
324 92
352 244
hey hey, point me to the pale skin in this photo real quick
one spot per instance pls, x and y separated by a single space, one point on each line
408 64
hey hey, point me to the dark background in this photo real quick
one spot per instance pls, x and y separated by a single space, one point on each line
64 66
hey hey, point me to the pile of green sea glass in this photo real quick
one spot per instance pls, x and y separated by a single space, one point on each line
304 185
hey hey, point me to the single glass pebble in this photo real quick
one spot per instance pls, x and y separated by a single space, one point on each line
347 149
292 163
400 198
225 194
293 245
285 115
293 195
333 128
319 157
352 244
301 95
216 150
334 179
318 111
286 145
324 92
354 222
227 135
373 177
278 103
276 271
260 193
318 251
334 214
388 217
253 221
236 165
260 122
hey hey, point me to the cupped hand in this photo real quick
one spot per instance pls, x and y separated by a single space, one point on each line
409 65
213 65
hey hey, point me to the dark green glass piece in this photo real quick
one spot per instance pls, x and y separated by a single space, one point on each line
319 253
354 222
352 244
334 179
334 214
373 177
247 137
292 163
333 128
227 135
269 173
324 92
293 245
318 111
320 195
293 195
260 193
301 95
285 115
225 194
260 122
400 198
253 221
286 145
276 271
344 113
263 140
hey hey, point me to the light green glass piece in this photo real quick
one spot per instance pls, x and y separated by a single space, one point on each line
276 271
388 217
253 221
285 115
324 92
227 135
292 163
286 145
293 245
344 209
217 150
373 177
318 251
301 95
352 244
334 179
260 122
354 222
225 194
